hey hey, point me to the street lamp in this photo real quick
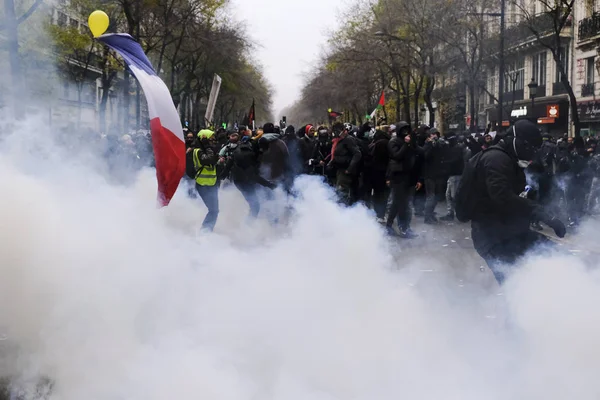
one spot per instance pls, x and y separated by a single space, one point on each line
533 86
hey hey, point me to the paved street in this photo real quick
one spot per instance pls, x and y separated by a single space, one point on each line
445 252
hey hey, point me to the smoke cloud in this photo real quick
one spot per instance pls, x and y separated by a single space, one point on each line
108 298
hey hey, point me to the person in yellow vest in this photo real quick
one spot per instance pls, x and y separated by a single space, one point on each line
205 157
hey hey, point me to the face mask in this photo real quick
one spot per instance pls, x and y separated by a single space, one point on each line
524 164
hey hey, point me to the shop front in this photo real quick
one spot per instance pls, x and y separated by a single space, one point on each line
551 116
589 117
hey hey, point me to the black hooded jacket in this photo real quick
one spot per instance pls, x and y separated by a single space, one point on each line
379 152
347 155
434 159
500 213
405 160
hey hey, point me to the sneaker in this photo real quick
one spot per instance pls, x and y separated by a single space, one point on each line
381 221
431 220
447 218
390 231
408 234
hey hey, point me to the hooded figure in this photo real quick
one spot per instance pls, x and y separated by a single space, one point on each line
380 158
274 158
501 218
305 147
403 172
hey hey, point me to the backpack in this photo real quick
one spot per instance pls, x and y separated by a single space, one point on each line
244 156
466 199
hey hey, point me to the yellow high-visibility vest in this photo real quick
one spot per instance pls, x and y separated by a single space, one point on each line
206 175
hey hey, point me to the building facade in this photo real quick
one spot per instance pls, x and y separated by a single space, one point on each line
587 65
529 63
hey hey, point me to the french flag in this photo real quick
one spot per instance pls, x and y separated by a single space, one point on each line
167 133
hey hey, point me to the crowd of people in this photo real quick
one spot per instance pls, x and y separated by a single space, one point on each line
395 170
400 172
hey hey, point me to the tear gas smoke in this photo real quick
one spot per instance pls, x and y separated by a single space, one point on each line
111 299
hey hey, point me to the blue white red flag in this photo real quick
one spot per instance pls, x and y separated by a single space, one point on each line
167 134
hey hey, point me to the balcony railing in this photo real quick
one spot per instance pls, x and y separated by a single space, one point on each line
587 89
558 88
589 27
514 96
522 32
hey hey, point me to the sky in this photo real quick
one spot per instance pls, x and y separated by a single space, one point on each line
290 35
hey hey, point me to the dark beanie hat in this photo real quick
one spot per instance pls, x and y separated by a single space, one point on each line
269 128
528 131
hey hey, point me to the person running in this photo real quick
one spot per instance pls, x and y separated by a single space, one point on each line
204 159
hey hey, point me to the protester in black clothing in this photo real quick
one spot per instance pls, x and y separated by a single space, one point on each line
402 176
305 147
501 216
454 159
378 150
292 142
434 173
579 181
321 153
364 184
244 167
274 158
346 158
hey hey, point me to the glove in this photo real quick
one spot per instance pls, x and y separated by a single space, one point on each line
558 226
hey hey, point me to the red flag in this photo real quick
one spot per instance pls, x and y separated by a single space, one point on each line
251 115
381 100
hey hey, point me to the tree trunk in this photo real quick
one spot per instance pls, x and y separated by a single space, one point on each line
126 100
12 36
79 89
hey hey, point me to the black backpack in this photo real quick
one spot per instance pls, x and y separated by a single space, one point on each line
244 156
466 198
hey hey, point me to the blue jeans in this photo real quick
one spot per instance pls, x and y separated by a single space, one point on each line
210 197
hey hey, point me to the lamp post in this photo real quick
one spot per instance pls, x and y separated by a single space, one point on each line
533 85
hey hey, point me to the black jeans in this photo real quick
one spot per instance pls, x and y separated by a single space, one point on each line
210 197
249 191
433 187
401 193
380 193
502 257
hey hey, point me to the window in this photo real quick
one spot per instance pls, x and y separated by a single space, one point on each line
513 13
589 8
514 79
590 66
62 19
564 59
491 88
539 68
74 23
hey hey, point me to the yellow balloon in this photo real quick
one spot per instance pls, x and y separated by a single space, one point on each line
98 22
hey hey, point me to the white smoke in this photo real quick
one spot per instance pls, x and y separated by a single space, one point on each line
109 298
